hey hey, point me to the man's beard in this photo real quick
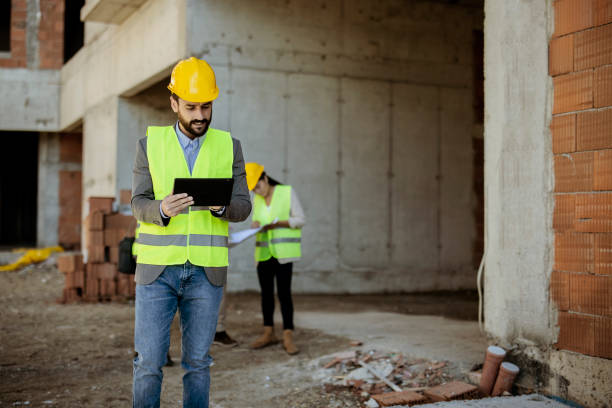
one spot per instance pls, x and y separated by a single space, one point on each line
189 128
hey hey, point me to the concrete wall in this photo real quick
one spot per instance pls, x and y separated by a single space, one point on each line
30 99
366 108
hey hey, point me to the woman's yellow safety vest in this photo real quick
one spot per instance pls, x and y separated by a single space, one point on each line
194 235
280 243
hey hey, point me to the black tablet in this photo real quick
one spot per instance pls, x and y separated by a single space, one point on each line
206 192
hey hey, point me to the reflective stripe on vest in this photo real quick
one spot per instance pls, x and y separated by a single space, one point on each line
280 243
194 234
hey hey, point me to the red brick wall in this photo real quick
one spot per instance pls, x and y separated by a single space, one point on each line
50 35
580 62
69 225
19 11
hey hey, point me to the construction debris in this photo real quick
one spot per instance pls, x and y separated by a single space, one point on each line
409 398
384 379
381 376
455 390
391 379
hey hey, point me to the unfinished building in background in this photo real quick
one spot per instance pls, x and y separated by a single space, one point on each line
374 111
36 39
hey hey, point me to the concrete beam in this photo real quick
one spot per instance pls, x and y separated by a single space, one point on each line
123 59
109 11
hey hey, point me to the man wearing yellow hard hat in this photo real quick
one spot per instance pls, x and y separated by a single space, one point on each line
182 250
277 209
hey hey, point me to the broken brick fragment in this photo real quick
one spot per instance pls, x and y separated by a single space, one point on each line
399 398
455 390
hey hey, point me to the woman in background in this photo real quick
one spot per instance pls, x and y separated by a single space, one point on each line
277 209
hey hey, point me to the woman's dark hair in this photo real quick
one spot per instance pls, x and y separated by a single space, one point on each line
271 181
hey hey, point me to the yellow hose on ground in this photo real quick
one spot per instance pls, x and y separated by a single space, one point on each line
31 256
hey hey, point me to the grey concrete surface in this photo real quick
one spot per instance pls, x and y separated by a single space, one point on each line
580 378
32 43
109 11
523 401
369 179
518 171
48 189
30 99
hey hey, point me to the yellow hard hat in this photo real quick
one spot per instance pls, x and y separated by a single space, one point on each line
253 171
194 81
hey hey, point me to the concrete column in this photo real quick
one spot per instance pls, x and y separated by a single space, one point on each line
48 189
518 170
100 132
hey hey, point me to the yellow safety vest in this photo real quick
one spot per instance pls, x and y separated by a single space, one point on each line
135 244
195 235
280 243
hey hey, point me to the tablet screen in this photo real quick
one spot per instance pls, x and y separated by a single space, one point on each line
206 192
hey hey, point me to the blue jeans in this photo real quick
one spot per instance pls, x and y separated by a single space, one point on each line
187 288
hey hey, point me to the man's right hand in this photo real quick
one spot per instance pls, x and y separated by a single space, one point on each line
173 204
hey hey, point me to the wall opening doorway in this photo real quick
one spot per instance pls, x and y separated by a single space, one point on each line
18 189
74 28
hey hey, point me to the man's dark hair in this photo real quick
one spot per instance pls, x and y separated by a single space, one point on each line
174 96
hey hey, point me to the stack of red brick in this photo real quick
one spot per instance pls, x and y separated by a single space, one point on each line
99 279
74 273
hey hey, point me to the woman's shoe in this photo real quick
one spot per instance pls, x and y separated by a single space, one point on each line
268 338
288 344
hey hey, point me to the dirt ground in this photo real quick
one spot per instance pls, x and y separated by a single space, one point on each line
80 355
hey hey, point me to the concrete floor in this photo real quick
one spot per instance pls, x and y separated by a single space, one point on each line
430 337
523 401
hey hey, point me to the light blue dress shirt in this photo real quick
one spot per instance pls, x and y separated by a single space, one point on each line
191 148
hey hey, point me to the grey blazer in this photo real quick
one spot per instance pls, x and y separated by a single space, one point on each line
146 208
